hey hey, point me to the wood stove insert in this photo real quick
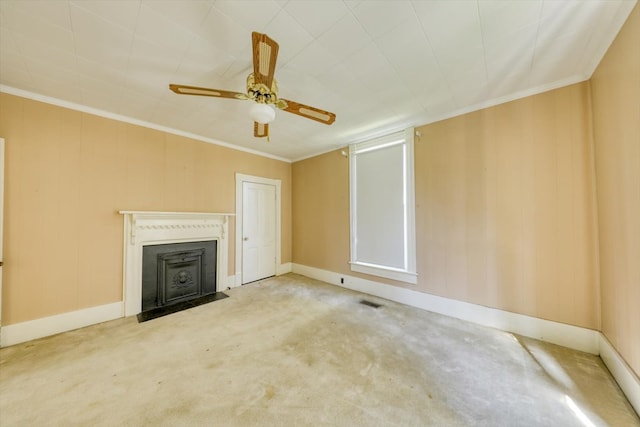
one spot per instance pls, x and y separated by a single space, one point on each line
177 276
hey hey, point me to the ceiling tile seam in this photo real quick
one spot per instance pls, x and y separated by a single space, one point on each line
130 54
326 29
74 36
22 58
619 18
228 67
535 44
100 17
32 73
362 27
186 28
392 65
370 42
37 18
482 41
435 56
119 95
583 57
183 54
213 6
204 19
311 36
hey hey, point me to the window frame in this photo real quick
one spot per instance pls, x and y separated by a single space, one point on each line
407 274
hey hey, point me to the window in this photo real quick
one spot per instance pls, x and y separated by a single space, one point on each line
382 207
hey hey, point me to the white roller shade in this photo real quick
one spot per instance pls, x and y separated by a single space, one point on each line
382 208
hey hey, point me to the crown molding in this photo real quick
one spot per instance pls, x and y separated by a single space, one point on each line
121 118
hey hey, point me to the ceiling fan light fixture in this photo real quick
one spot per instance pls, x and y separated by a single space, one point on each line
262 113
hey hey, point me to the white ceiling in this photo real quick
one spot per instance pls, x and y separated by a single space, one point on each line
378 65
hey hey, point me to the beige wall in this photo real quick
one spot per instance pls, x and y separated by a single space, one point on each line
67 175
320 201
616 123
505 209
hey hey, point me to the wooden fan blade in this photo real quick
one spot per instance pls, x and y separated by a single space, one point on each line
260 130
265 54
203 91
309 112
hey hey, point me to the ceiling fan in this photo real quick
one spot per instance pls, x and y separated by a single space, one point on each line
262 89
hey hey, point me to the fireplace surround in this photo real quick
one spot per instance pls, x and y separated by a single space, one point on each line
143 228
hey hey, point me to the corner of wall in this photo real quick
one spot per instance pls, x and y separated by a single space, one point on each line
621 371
594 193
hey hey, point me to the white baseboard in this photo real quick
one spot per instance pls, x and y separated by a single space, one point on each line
574 337
230 282
46 326
283 268
236 280
624 375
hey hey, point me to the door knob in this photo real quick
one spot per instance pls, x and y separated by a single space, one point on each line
245 239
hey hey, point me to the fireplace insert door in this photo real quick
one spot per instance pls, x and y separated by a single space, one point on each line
180 276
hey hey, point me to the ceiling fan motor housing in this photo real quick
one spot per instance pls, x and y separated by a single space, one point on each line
260 93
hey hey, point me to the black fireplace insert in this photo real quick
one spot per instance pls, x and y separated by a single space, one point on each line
178 272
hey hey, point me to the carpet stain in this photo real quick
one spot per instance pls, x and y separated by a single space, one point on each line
269 391
366 369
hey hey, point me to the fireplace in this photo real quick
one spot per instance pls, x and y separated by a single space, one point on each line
177 272
193 266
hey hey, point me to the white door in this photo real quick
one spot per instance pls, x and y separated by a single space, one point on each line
258 231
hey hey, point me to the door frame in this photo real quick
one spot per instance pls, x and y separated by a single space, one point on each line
240 180
1 218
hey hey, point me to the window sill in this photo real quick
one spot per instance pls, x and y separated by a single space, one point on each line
386 272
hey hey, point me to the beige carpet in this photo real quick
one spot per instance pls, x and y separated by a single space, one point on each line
291 351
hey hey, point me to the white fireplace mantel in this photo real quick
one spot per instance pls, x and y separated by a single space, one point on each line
143 228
